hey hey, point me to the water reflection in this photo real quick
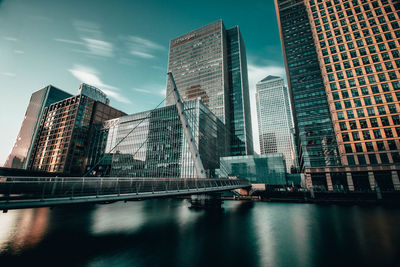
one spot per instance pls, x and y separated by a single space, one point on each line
166 232
21 230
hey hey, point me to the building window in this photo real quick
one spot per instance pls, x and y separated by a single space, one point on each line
347 148
350 160
392 145
377 133
384 158
385 121
361 160
372 159
388 133
345 137
366 135
381 110
356 136
363 124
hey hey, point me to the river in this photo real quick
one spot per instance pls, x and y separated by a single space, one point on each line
165 232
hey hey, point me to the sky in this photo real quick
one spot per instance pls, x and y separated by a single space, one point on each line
120 47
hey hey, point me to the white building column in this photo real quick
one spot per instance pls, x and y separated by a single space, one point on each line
329 181
350 184
395 180
371 179
308 180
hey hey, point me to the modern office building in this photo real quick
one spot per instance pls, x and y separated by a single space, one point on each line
269 169
152 143
210 63
62 141
19 156
275 124
342 61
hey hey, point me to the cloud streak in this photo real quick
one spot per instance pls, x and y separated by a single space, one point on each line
91 76
141 47
9 74
11 39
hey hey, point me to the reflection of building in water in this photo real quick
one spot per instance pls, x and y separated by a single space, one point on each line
152 143
30 228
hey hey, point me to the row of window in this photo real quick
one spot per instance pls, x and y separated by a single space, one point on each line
373 122
371 111
369 146
368 134
384 159
361 81
367 101
344 94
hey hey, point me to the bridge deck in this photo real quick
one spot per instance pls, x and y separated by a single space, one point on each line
33 192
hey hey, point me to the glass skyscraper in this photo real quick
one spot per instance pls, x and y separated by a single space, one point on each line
342 61
210 63
275 124
152 143
19 156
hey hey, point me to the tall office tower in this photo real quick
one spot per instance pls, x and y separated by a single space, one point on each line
62 141
19 156
342 64
210 63
275 119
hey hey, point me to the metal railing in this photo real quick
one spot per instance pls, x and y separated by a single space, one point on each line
65 189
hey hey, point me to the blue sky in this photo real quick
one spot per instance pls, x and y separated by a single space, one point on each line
119 46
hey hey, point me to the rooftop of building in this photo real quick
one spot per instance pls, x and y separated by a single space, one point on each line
269 78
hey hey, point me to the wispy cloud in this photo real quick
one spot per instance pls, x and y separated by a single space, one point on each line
256 73
99 47
91 40
68 41
141 47
9 38
19 51
146 91
91 76
152 90
9 74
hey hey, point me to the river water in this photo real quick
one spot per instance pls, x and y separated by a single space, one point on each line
165 232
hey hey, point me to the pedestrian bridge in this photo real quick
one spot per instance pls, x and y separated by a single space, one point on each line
35 192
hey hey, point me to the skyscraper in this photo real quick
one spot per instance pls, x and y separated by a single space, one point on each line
275 119
62 142
342 61
19 156
210 63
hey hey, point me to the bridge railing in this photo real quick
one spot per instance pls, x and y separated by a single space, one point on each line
14 188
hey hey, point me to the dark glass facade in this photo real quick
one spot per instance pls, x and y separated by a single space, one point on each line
19 156
210 63
316 140
239 111
152 143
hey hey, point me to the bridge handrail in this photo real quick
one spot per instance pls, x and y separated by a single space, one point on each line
14 188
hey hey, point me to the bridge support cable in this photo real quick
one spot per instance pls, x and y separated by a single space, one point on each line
200 172
123 139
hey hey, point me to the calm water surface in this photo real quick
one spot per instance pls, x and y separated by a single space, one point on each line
168 233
